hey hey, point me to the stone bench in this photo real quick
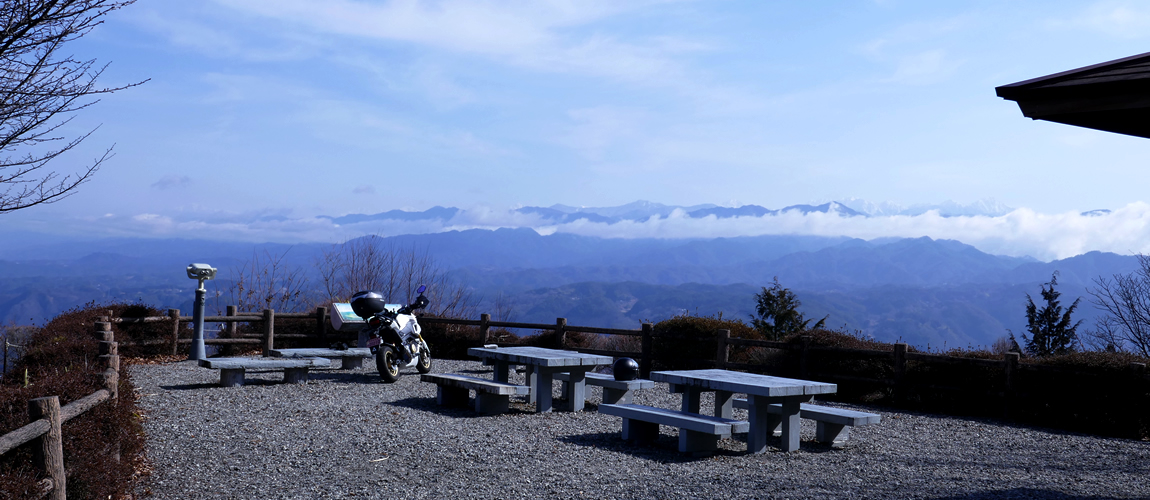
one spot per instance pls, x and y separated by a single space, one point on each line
833 425
491 397
614 391
350 359
697 433
232 369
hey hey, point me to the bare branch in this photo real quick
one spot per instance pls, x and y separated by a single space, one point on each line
39 93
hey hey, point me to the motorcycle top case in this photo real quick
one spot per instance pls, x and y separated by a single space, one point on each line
367 304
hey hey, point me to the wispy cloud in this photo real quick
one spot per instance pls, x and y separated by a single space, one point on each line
1120 19
172 181
531 34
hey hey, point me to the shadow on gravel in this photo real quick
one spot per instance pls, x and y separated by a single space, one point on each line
893 412
429 405
186 387
1027 493
664 449
351 378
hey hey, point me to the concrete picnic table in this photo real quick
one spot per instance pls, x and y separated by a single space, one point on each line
761 391
351 358
542 364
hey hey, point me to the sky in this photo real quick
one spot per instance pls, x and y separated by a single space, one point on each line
260 115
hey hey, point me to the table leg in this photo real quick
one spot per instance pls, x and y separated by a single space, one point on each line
501 368
724 404
576 392
790 419
691 399
757 417
541 386
528 374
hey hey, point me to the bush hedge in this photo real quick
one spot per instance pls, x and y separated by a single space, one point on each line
60 360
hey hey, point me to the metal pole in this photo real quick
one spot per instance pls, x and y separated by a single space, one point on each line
198 351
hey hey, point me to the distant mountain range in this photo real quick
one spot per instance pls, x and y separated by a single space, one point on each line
920 290
644 210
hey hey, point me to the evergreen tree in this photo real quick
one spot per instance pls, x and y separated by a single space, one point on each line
777 313
1051 330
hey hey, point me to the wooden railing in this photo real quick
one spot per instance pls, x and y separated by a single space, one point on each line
324 333
803 349
47 417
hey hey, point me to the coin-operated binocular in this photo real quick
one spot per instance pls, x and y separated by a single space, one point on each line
199 272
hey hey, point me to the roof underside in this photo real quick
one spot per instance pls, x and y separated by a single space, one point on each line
1113 96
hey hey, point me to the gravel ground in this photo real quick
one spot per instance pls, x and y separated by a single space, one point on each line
346 434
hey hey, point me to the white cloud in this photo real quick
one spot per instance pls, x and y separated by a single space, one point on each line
532 34
927 67
1121 19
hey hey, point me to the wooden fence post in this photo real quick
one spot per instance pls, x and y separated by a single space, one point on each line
722 352
645 362
175 315
269 331
49 448
1010 368
803 355
111 379
561 331
110 355
484 328
233 326
103 329
899 371
321 324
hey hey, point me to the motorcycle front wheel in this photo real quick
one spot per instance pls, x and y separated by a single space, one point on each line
388 364
424 364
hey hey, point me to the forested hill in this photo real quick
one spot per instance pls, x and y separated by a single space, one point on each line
919 289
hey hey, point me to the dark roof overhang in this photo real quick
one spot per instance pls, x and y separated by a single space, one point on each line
1113 96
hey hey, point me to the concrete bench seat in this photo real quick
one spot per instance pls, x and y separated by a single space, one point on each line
491 397
232 370
350 359
697 433
833 425
614 391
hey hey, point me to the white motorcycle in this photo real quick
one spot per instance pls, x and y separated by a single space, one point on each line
393 333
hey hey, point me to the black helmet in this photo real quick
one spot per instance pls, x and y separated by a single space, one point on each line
626 369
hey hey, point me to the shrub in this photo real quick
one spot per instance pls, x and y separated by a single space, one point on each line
60 360
687 342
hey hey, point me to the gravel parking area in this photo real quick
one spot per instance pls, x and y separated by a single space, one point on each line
346 434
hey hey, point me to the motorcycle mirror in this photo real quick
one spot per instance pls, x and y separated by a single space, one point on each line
421 289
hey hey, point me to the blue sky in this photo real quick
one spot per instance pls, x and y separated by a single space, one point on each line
260 111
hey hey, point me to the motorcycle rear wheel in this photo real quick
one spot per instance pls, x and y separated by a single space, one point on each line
424 364
388 364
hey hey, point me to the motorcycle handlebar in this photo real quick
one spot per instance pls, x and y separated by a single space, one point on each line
420 303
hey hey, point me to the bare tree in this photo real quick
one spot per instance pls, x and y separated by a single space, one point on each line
39 88
371 263
267 283
1126 300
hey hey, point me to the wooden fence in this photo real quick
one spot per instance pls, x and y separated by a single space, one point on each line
903 374
804 351
324 333
47 416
